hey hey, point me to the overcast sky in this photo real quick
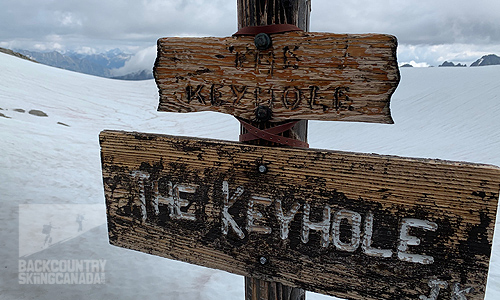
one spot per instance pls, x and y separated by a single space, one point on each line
429 31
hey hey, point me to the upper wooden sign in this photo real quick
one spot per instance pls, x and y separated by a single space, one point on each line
356 226
311 76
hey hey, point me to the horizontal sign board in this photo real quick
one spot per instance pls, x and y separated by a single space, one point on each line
310 76
356 226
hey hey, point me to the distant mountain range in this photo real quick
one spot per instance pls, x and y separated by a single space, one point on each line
139 75
105 64
450 64
101 64
487 60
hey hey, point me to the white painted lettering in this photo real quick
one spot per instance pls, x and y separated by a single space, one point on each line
157 198
405 240
366 245
175 201
254 215
436 286
323 226
285 219
142 177
227 219
458 294
181 207
355 220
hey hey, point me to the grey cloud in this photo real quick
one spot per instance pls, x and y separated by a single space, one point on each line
115 20
423 21
70 24
413 22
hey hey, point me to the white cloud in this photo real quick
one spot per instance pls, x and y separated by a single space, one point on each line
86 50
142 60
69 19
412 21
52 46
416 64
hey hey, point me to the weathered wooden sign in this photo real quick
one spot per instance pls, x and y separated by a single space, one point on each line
356 226
313 76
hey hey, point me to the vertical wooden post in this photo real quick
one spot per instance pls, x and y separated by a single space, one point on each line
260 13
267 12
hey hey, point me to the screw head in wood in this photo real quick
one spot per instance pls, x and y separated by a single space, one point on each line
263 41
263 169
263 260
263 113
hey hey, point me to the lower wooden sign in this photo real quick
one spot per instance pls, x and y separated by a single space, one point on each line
356 226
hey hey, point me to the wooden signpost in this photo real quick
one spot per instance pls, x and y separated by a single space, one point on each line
356 226
314 76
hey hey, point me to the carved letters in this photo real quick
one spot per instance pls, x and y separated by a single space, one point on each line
329 227
313 76
352 225
457 293
289 97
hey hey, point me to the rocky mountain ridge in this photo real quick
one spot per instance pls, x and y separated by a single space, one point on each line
487 60
16 54
451 64
98 64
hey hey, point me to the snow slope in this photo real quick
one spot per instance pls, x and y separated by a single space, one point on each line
50 166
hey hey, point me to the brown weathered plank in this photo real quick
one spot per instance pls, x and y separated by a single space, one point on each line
316 76
393 228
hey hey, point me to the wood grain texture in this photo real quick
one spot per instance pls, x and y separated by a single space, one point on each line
314 76
264 12
380 227
257 289
259 13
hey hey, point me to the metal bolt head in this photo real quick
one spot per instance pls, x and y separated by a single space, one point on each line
262 169
263 260
263 41
263 113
